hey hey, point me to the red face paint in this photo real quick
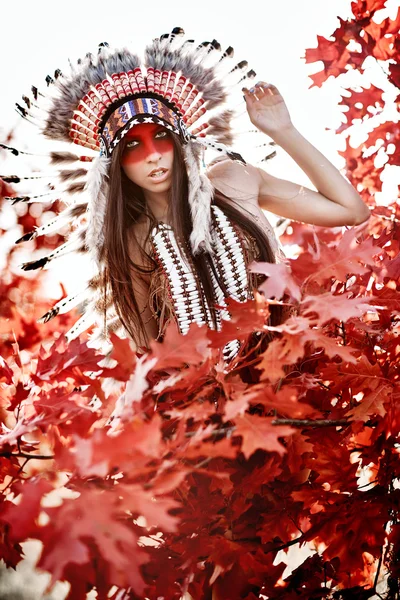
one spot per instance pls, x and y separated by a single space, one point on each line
146 140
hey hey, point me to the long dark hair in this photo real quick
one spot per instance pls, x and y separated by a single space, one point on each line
126 206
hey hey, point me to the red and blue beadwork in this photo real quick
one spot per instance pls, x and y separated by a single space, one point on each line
135 111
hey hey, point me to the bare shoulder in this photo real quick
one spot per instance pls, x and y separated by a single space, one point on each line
235 180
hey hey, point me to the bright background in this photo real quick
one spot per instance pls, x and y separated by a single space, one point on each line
38 37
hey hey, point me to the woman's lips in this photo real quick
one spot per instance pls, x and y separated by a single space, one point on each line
159 175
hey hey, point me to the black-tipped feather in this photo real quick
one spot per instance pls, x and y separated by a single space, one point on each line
68 175
49 315
78 210
22 111
229 52
11 149
16 179
75 188
16 199
25 238
35 264
10 178
63 157
27 101
269 156
220 127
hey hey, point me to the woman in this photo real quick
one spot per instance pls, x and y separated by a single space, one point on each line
170 242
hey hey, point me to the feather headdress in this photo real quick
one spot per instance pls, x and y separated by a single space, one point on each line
181 85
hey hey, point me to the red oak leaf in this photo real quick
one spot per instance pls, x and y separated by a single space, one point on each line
211 449
22 516
236 406
168 481
284 401
271 363
92 517
21 393
62 357
373 403
177 349
103 453
384 35
258 432
62 553
360 376
364 9
348 257
6 374
125 356
328 306
140 502
246 318
330 345
359 102
334 54
278 282
297 331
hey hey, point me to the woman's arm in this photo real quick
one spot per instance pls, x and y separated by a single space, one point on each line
335 203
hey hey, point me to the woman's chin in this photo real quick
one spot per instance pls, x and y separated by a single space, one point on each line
159 186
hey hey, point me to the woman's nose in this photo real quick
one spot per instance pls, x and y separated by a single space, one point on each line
152 154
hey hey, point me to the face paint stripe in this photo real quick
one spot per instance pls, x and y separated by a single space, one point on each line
148 143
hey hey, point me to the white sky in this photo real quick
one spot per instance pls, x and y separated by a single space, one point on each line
37 37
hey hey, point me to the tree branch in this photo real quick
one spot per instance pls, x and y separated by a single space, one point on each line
281 421
311 422
27 456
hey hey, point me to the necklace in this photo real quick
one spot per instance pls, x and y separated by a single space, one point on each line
227 269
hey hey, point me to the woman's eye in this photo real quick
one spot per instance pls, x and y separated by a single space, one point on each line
161 134
132 144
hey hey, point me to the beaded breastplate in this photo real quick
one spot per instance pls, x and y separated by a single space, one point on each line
183 286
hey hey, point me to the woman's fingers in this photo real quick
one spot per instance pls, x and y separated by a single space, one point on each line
260 90
249 95
253 94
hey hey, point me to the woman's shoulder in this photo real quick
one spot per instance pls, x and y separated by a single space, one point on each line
235 180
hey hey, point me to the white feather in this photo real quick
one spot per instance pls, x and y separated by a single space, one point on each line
81 325
200 196
97 188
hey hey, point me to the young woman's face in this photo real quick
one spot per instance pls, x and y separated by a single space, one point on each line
148 157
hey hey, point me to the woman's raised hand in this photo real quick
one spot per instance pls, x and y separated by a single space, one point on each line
267 109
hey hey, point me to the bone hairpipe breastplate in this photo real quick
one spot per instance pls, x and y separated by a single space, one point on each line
184 286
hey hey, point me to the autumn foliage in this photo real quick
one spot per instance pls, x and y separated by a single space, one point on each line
206 471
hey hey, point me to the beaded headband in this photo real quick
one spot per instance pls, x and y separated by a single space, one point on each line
133 112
